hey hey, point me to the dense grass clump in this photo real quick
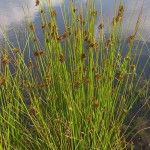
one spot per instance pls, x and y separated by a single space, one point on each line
74 91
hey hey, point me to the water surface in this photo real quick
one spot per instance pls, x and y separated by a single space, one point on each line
11 12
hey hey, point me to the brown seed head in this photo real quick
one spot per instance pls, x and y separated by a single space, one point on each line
110 42
121 9
76 85
133 67
32 27
84 56
91 131
37 2
86 80
62 58
130 39
44 26
97 76
43 85
94 13
16 62
101 26
42 11
49 25
15 50
59 38
2 81
118 18
127 58
95 103
47 40
39 53
121 78
6 60
30 64
53 13
119 56
74 10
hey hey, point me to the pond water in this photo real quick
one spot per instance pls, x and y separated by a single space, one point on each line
12 17
11 12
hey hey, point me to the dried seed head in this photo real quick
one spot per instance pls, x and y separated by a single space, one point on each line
86 38
95 103
86 80
6 60
101 26
119 56
2 81
110 42
83 22
121 78
127 58
33 110
37 2
121 9
93 98
114 64
62 58
53 13
76 85
65 35
25 82
16 62
52 35
130 39
42 11
84 69
106 48
98 76
133 67
89 118
118 18
35 39
93 69
32 27
15 50
114 21
86 33
43 85
84 56
74 10
91 131
94 13
47 40
67 92
59 38
93 44
49 78
39 53
49 25
44 26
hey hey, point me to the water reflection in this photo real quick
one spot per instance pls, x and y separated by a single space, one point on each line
11 11
132 11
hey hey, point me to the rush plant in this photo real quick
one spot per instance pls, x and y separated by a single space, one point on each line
74 90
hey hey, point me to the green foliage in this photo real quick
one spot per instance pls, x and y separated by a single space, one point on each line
73 92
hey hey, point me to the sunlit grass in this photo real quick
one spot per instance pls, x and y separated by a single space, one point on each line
74 91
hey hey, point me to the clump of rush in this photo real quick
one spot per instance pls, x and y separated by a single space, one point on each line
76 90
